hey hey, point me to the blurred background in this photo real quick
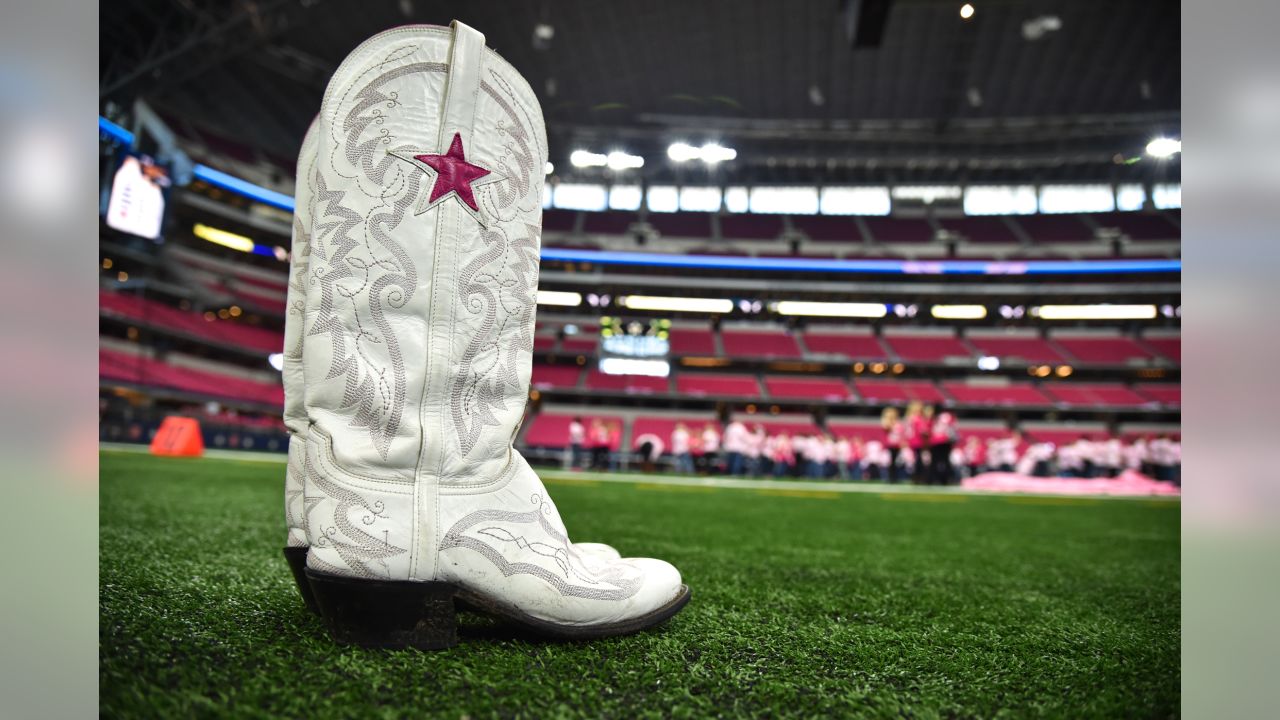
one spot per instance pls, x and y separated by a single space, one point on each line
792 215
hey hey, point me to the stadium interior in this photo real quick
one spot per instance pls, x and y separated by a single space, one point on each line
928 227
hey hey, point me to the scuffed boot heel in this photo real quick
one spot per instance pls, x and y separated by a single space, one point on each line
386 614
297 559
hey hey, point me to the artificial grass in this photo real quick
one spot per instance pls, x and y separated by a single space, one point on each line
811 605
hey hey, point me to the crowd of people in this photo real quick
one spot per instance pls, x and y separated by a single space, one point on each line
920 445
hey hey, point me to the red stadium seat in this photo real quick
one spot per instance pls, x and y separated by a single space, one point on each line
898 391
1029 349
853 347
808 388
750 227
1170 347
157 315
708 384
927 348
1163 393
1103 350
552 429
983 394
980 229
899 230
692 341
759 344
631 384
148 372
555 376
1094 394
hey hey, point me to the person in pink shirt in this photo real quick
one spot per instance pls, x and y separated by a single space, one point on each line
974 455
918 432
680 449
895 439
577 438
710 448
942 438
784 458
857 459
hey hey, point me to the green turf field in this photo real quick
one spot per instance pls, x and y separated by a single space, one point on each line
804 604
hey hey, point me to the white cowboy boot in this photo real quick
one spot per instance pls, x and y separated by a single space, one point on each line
295 413
417 352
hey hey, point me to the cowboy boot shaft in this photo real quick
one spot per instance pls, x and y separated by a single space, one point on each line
421 294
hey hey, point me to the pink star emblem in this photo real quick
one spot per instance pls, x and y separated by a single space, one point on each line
453 174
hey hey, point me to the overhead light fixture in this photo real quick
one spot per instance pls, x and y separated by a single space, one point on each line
710 153
966 11
829 309
676 304
618 160
1096 312
1163 147
958 312
559 298
988 363
548 168
586 158
223 238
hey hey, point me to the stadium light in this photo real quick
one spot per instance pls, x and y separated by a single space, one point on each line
548 168
559 298
1163 147
988 363
223 238
958 312
829 309
966 11
676 304
618 160
276 360
586 158
1096 312
710 153
634 366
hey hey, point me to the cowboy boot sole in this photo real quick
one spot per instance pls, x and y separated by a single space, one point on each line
423 615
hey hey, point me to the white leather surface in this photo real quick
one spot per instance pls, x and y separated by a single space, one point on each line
418 341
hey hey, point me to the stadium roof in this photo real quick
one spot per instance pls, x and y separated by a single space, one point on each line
1043 89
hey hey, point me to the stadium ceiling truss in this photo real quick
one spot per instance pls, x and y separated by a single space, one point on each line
928 99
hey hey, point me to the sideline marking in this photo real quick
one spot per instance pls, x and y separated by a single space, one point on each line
663 487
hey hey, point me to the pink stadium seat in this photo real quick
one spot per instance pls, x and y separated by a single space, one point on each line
1139 225
866 430
544 343
682 224
899 230
824 228
579 345
759 344
560 221
164 317
898 391
1094 394
1103 350
1055 228
1029 349
611 222
750 227
555 376
1011 394
1170 347
141 370
1163 393
980 229
633 384
927 348
552 429
692 341
701 384
830 389
853 347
